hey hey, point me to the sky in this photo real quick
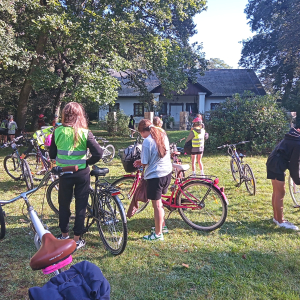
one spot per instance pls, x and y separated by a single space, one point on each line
220 28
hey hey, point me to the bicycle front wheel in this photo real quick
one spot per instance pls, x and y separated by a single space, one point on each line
250 181
2 224
205 207
27 176
111 222
108 153
294 191
12 166
235 170
127 187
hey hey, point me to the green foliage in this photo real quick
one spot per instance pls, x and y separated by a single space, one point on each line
257 119
117 126
274 48
217 63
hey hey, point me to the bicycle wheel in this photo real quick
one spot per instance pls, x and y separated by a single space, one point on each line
2 224
235 170
36 166
206 208
250 181
12 166
126 186
27 176
111 222
52 199
108 153
294 191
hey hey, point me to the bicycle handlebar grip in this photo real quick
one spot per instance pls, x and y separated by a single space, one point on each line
70 169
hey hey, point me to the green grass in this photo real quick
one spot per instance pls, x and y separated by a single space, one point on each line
247 258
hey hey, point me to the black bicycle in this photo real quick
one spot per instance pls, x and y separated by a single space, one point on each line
240 172
15 167
104 207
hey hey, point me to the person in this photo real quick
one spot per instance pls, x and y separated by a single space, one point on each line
286 155
41 121
55 120
155 158
69 148
4 130
201 120
131 126
158 123
12 126
197 136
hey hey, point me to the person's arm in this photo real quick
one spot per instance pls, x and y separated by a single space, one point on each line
95 150
53 148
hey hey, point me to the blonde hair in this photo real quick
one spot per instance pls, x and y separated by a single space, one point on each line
73 115
157 134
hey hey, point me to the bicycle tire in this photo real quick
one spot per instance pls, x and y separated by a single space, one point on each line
52 199
213 213
250 180
109 212
108 153
27 176
36 166
12 166
235 170
2 224
294 191
125 186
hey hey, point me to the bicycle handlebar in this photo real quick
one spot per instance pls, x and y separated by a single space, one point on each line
233 145
57 170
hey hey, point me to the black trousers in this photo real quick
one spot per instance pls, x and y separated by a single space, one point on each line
79 183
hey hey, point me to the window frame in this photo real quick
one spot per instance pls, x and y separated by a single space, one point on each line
138 106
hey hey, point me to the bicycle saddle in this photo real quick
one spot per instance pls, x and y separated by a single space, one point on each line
180 167
51 252
99 171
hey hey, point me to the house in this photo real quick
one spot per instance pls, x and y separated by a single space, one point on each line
204 95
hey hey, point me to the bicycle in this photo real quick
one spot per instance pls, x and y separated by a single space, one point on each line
104 207
108 150
195 198
53 254
15 167
240 172
294 192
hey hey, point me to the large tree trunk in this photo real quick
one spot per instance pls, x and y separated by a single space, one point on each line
57 102
27 86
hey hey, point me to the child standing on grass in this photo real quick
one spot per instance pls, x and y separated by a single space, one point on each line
197 136
12 126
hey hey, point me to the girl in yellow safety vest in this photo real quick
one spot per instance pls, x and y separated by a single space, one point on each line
197 136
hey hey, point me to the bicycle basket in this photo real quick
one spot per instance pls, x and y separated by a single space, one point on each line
129 155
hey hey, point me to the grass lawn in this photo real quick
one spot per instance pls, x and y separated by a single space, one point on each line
247 258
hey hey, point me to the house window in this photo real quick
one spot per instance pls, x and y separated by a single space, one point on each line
114 107
192 108
213 106
138 109
164 109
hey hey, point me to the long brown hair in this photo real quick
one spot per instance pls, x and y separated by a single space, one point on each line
157 134
73 115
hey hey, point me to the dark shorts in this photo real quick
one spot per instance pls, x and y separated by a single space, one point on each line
3 131
158 186
272 175
197 152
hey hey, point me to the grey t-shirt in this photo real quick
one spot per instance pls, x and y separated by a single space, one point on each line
12 126
156 167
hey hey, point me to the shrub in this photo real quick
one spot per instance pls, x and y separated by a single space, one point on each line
247 118
118 127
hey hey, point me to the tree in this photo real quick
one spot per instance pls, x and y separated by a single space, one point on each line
86 39
275 47
217 63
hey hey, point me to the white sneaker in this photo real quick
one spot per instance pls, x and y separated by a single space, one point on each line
288 225
276 222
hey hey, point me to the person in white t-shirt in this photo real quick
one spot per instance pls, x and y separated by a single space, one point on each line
12 126
155 159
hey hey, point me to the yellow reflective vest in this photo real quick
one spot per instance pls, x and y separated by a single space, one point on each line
198 139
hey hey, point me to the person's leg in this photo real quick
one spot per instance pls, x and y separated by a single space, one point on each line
277 199
199 157
81 192
159 216
194 163
65 194
5 138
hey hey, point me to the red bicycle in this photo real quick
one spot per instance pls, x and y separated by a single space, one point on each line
201 203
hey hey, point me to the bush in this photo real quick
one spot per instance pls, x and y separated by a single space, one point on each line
247 118
118 127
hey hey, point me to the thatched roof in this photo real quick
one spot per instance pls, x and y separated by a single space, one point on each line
219 82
